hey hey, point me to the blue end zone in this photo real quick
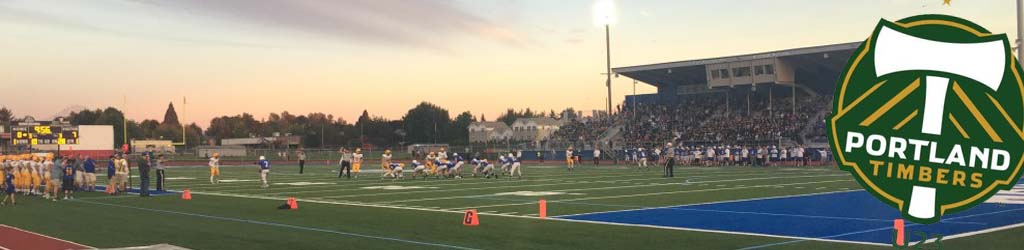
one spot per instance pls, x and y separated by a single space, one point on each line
846 216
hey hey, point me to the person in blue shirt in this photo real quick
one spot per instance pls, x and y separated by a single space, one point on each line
418 169
395 170
9 186
456 170
68 179
110 168
264 171
90 174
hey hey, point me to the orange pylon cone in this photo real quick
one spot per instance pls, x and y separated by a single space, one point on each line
897 225
543 209
471 218
186 195
292 204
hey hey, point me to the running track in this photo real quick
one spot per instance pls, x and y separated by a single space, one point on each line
12 238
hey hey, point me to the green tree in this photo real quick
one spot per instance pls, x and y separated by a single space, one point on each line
427 123
460 128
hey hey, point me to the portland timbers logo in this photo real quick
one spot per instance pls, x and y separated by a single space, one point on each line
928 114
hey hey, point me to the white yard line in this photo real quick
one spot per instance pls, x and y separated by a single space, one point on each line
654 194
342 187
579 189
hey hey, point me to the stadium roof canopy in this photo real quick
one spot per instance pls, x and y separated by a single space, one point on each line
817 60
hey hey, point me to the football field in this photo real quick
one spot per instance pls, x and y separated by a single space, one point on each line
607 207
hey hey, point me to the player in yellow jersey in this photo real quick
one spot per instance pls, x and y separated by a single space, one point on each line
357 161
34 175
430 163
215 168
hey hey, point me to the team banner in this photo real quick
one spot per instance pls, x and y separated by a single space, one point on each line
928 115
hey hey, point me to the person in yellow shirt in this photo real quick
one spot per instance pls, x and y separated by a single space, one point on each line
385 160
35 176
3 169
357 161
215 168
569 154
430 163
23 175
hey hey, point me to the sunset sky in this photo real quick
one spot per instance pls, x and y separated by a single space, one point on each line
341 57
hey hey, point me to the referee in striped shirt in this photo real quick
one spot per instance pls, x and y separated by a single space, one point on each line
670 160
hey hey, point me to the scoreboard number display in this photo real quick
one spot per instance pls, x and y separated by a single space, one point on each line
31 132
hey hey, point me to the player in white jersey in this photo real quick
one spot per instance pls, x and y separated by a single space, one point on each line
506 162
569 158
385 162
443 155
515 166
642 153
418 169
710 156
784 155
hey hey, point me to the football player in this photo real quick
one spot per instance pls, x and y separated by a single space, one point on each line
264 171
385 161
456 170
418 169
505 162
569 154
395 170
8 184
215 168
516 164
357 161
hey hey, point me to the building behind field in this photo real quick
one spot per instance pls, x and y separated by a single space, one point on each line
253 142
534 129
489 131
160 146
206 151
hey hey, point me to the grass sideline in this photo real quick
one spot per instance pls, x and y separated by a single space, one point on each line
366 213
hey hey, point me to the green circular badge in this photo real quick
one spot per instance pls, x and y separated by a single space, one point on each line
928 114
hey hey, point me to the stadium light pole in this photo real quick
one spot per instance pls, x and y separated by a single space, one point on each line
608 82
604 15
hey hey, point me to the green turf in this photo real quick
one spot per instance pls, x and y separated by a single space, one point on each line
426 214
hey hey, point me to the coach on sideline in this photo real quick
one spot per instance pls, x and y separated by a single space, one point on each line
144 166
670 160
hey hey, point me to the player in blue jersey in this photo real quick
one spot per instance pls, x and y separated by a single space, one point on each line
487 169
457 162
8 185
642 158
418 169
264 171
478 165
442 167
68 179
395 170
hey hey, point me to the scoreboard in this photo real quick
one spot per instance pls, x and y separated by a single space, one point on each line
30 132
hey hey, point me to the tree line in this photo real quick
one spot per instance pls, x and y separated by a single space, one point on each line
424 123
